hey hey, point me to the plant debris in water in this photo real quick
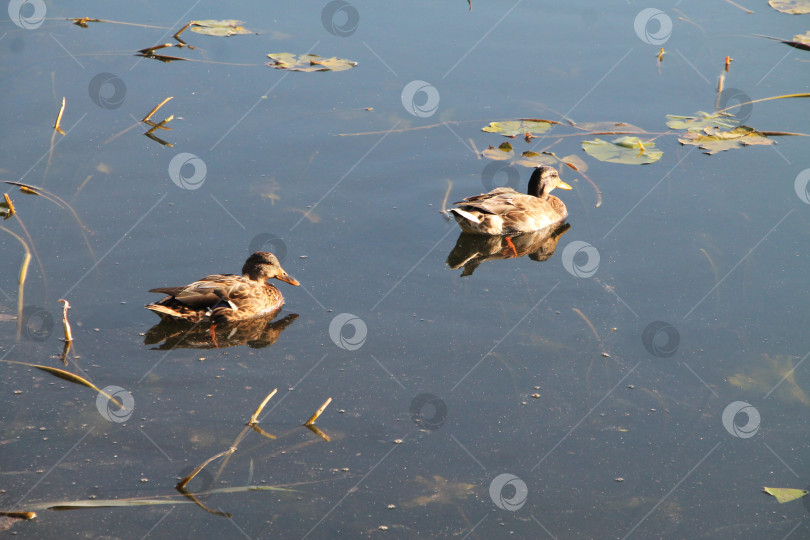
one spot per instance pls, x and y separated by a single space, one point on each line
714 140
224 28
701 120
518 128
794 7
784 495
627 150
308 62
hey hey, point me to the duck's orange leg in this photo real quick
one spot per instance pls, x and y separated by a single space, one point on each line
511 245
213 331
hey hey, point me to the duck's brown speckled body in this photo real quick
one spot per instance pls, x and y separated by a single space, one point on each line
504 211
227 297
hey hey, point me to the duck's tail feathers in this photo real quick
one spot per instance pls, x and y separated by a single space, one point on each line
466 215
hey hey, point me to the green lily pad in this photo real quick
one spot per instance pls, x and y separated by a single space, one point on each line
627 150
225 28
503 152
701 121
714 140
308 62
784 495
794 7
516 128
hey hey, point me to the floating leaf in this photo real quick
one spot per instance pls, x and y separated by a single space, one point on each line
225 28
627 150
503 152
803 38
534 159
702 120
713 140
609 127
784 495
308 62
794 7
515 128
576 163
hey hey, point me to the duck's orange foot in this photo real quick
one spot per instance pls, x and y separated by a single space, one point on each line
213 331
511 245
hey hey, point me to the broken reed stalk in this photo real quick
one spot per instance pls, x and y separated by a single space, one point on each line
23 272
19 515
177 35
255 418
198 468
318 413
160 125
68 376
153 111
59 118
65 323
10 205
61 203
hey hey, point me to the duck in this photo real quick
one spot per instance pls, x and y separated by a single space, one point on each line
506 212
227 298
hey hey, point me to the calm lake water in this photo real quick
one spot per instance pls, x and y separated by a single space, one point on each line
646 382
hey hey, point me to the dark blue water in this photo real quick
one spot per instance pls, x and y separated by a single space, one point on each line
443 383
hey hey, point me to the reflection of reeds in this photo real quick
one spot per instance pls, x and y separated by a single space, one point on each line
68 376
21 279
29 189
147 119
251 425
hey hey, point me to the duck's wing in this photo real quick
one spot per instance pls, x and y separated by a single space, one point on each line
497 202
532 214
208 292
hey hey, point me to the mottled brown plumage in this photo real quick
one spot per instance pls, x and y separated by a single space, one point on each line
504 211
227 297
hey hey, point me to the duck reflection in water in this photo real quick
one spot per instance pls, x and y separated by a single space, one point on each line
228 299
255 333
473 249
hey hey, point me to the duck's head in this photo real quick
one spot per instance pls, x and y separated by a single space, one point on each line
262 266
544 179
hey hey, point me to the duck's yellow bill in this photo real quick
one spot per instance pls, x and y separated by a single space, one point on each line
563 185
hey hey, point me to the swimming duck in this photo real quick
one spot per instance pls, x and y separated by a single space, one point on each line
227 297
504 211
